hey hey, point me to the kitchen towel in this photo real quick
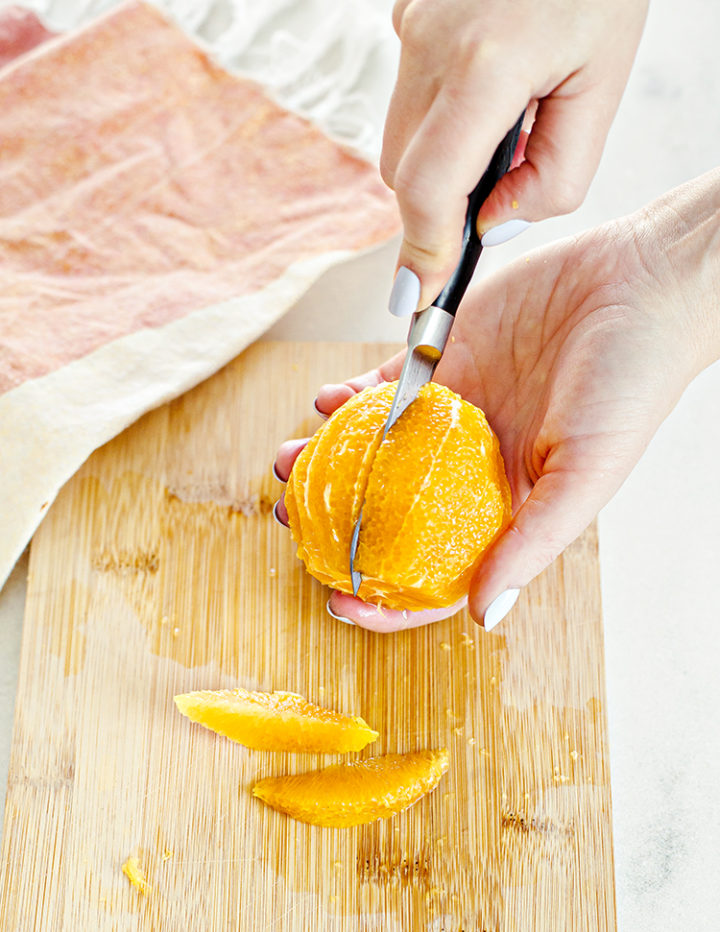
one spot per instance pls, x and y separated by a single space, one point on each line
157 214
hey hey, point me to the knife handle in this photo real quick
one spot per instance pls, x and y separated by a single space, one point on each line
452 294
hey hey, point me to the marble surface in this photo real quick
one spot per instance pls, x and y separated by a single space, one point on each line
659 537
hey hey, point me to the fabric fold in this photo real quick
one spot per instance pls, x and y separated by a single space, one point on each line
157 214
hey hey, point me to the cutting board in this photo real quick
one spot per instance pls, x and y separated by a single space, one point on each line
158 570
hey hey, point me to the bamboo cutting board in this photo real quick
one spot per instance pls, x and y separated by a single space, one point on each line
160 570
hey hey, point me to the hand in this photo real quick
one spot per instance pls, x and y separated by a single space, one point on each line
576 353
467 70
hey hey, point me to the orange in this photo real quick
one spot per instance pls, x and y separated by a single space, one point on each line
435 497
355 793
277 721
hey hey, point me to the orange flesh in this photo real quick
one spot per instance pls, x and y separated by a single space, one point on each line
355 793
435 497
278 721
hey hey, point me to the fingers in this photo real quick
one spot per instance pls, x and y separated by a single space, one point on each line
397 14
559 507
347 608
333 395
280 513
424 50
561 156
467 69
287 453
455 97
440 166
412 96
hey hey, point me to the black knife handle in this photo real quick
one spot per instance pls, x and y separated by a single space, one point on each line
452 294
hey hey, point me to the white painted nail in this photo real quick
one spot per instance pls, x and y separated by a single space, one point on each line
504 231
275 515
405 293
347 621
275 473
318 411
499 607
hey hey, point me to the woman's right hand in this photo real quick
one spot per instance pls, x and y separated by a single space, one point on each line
468 68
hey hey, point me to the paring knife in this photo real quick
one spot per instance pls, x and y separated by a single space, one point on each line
430 328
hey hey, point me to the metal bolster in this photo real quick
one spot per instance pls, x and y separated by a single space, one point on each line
429 331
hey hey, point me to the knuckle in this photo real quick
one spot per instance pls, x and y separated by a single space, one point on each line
422 197
564 195
476 51
434 263
398 14
406 188
432 229
469 49
420 219
415 23
417 203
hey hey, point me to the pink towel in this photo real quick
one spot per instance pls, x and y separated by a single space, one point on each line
156 215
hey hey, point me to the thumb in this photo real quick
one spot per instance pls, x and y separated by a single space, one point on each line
561 156
559 508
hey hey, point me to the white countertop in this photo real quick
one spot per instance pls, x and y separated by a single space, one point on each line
659 537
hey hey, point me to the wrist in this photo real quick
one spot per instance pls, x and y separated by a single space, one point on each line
678 242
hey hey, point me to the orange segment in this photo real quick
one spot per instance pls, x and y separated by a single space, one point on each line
278 721
355 793
322 499
435 497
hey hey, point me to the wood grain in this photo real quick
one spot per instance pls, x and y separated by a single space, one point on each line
160 570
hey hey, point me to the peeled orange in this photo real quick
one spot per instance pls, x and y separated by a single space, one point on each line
435 497
277 721
355 793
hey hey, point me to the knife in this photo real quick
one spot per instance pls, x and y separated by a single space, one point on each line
430 328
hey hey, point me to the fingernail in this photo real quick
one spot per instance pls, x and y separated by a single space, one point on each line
318 411
405 293
504 231
275 473
277 516
499 607
342 618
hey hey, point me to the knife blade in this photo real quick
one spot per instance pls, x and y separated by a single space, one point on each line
430 328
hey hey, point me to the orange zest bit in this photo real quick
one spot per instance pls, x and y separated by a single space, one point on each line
136 875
